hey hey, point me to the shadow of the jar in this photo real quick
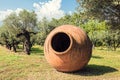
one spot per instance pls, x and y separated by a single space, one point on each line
94 70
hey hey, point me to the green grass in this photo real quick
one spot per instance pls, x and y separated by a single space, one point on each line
104 64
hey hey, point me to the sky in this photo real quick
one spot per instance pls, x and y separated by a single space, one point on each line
43 8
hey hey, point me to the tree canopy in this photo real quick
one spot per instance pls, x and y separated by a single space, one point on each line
22 25
108 10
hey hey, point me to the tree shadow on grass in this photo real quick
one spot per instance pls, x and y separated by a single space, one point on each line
37 51
94 70
97 57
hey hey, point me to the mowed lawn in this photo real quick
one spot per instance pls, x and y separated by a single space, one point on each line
104 65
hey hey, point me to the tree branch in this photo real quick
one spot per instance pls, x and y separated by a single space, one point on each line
32 33
20 34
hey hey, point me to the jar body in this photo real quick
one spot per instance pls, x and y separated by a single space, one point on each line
67 48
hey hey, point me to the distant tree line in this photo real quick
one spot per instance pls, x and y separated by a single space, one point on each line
99 18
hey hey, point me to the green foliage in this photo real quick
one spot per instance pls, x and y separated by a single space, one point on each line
96 31
103 10
112 39
106 11
28 20
94 25
25 20
3 35
44 27
73 19
17 24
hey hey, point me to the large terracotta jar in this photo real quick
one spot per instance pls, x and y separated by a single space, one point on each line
67 48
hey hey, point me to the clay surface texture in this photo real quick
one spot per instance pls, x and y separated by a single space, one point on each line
67 48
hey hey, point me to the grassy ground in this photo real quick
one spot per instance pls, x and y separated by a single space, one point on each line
104 65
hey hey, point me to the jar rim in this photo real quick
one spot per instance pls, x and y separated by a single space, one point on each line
66 50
